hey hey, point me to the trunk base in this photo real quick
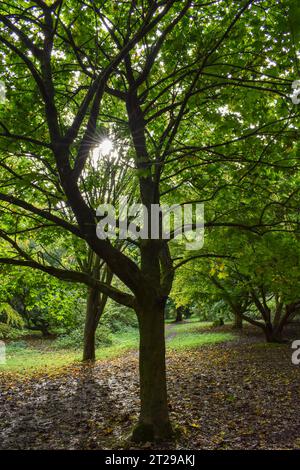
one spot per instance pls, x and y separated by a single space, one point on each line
144 432
87 359
89 354
274 336
274 339
154 423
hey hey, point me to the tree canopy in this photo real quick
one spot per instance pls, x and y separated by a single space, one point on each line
194 98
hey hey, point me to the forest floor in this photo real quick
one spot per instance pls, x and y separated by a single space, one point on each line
238 394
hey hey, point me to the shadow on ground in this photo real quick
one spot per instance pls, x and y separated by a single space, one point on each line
235 395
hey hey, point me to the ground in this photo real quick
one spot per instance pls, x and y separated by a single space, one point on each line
238 394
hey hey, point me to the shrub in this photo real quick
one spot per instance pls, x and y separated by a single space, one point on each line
118 318
74 339
218 322
8 332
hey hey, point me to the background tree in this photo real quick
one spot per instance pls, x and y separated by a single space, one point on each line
64 254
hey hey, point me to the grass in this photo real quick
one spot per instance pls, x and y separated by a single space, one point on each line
189 326
33 359
121 343
193 334
20 358
195 340
192 320
26 357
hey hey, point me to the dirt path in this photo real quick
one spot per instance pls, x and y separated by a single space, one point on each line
228 396
169 333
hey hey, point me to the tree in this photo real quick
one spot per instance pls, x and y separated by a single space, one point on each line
41 301
150 72
65 252
260 283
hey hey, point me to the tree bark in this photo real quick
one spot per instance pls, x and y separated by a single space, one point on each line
178 314
154 423
91 323
45 332
272 334
238 322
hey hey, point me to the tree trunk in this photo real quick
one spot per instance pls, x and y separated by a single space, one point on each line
187 313
238 322
154 423
178 314
45 332
273 335
39 326
91 323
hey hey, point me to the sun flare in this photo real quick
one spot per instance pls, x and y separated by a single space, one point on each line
103 149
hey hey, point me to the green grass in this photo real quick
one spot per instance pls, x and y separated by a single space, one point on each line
28 357
32 359
24 359
195 340
121 343
194 319
188 326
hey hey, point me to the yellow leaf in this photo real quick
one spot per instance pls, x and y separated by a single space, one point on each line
108 431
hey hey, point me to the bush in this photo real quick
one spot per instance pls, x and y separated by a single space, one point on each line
218 322
118 318
8 332
74 339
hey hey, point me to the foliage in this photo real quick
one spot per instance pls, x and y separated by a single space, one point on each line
196 99
256 277
8 333
118 318
10 315
74 339
37 299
